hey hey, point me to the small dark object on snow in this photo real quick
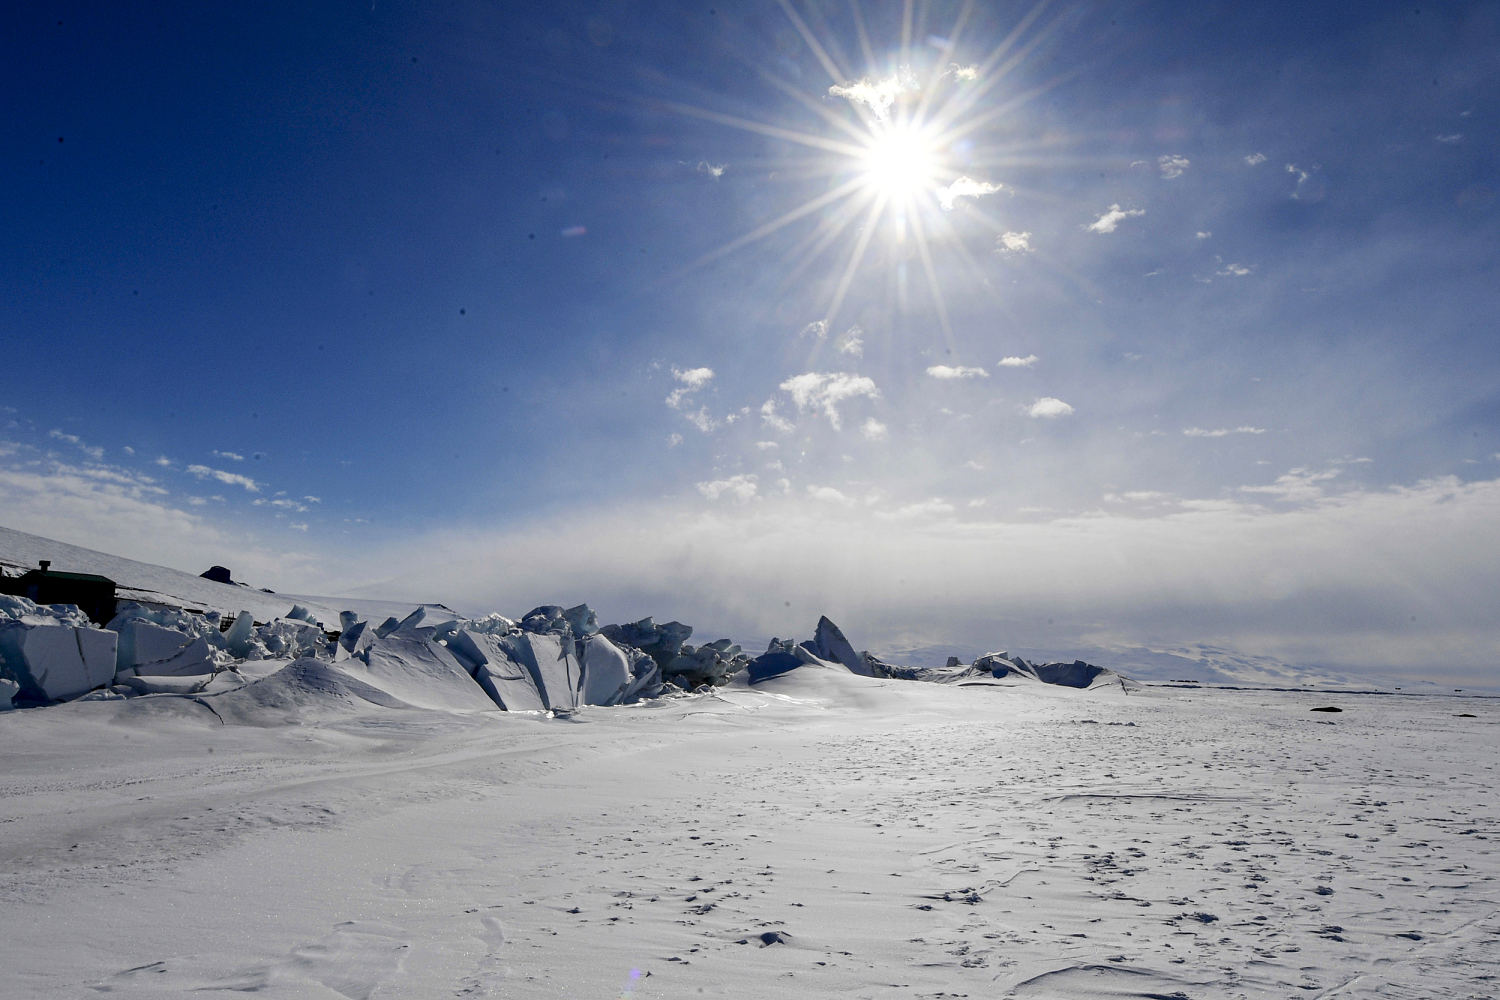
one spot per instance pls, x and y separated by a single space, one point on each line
768 938
1328 708
1466 715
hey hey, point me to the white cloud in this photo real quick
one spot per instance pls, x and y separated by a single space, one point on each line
1450 138
817 328
1199 432
934 508
1310 185
1233 271
227 478
1297 486
1048 408
824 391
1110 220
741 487
1138 496
827 494
1172 166
774 420
1255 159
116 510
313 499
1008 244
965 187
701 419
966 73
1017 362
877 95
232 456
163 461
874 430
1203 234
852 342
95 453
692 379
674 439
956 372
714 170
767 445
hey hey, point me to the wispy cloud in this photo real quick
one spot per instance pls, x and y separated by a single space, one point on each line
817 328
1111 219
742 487
934 508
828 494
874 430
773 419
281 503
691 379
877 95
703 420
232 456
714 170
956 372
1203 234
1232 270
965 73
1255 159
1018 362
1309 185
1450 138
1296 486
95 453
852 342
1172 166
1199 432
227 478
824 391
965 187
1049 408
1009 244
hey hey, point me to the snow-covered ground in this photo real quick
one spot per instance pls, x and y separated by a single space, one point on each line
817 834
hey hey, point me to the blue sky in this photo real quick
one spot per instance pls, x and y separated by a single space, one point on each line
1089 326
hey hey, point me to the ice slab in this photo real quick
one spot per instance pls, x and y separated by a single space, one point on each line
419 672
507 682
829 643
606 672
552 665
56 662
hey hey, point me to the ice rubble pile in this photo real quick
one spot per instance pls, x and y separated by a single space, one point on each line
829 647
553 659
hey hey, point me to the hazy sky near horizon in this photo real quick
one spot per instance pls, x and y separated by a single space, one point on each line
1012 324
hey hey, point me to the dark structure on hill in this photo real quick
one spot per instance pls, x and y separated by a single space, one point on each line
218 574
94 595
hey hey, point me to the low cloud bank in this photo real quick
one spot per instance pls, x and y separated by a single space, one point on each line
1331 584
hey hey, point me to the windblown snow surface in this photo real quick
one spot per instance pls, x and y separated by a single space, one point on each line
816 834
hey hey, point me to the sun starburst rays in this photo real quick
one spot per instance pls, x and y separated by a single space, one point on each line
892 153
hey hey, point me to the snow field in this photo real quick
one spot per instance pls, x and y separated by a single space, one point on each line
815 834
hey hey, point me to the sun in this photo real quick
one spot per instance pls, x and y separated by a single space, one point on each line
900 162
899 154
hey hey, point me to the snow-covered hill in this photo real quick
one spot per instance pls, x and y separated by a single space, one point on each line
149 583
